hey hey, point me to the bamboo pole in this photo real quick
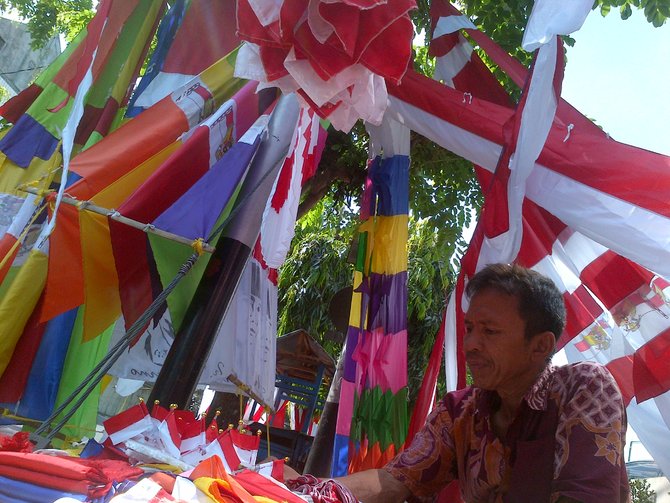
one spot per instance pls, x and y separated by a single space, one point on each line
115 215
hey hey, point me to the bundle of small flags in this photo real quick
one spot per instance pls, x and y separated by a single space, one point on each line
176 437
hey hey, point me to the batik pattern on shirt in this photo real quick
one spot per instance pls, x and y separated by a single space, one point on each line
578 405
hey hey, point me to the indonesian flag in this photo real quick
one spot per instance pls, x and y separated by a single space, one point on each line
234 448
129 423
272 469
588 212
169 434
193 435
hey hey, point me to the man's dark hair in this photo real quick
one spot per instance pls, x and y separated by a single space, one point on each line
540 302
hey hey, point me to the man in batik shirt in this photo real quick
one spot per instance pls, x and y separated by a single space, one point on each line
526 431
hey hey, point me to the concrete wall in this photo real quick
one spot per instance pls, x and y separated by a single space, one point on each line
19 64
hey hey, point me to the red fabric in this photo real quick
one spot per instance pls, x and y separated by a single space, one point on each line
96 119
245 441
64 289
364 33
424 398
257 485
83 476
15 376
6 243
19 442
159 412
212 431
126 418
15 107
203 16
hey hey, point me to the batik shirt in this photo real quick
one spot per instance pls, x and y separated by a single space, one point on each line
567 439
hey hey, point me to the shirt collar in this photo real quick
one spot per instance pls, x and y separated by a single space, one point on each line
536 397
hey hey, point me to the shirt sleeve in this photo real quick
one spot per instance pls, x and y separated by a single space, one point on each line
429 463
590 438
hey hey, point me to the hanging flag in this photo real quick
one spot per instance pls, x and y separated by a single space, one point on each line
159 201
93 278
372 415
118 36
176 60
281 210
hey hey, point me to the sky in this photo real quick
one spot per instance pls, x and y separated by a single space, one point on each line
618 74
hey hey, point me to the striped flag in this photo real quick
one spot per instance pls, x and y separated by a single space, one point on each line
372 415
128 424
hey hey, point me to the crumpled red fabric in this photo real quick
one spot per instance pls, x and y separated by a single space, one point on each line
321 491
19 442
328 51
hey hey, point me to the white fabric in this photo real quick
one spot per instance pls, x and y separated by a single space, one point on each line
536 120
450 349
245 345
267 11
69 131
651 421
247 458
550 18
144 490
246 342
367 99
451 64
450 24
146 453
278 227
171 446
185 490
15 213
214 448
126 387
131 430
160 87
388 139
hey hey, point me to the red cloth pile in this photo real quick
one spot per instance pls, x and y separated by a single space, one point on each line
19 442
68 474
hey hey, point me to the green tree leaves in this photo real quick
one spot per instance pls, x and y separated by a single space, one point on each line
47 18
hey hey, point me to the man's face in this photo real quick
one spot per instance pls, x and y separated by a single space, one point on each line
496 351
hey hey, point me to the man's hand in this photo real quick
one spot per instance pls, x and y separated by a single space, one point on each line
375 486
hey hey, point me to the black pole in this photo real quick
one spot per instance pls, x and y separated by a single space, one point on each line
187 356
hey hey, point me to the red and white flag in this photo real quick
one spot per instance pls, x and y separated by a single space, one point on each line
128 424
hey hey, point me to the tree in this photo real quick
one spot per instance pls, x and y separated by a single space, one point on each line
641 491
47 18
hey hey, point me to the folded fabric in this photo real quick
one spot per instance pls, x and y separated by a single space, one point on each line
82 476
223 491
24 492
258 485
